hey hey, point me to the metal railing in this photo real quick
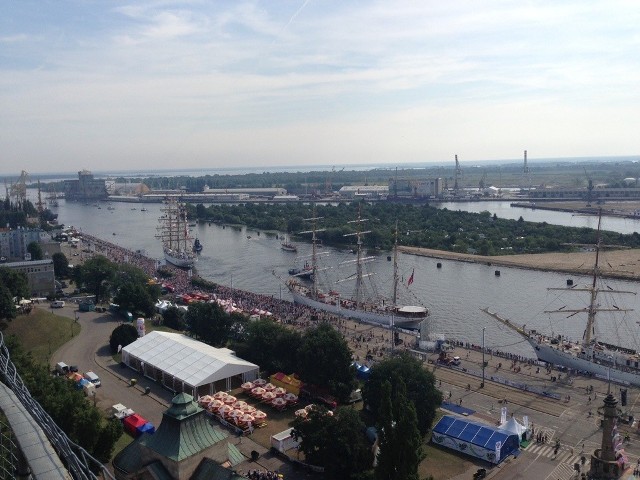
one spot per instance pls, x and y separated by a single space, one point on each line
76 459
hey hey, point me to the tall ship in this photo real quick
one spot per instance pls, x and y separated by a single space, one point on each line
591 355
372 310
287 246
173 231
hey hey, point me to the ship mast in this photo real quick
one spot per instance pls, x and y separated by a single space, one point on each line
395 270
589 334
591 317
314 251
359 260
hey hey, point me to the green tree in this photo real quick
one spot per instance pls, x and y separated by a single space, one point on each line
60 265
209 322
400 440
16 282
7 306
325 359
173 317
107 439
133 291
386 456
12 285
272 346
420 387
336 442
135 297
35 250
96 275
67 406
122 335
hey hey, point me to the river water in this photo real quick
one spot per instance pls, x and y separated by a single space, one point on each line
454 293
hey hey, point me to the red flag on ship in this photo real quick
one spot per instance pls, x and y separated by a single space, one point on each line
411 278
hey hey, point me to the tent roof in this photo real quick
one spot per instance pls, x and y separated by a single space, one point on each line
135 420
512 426
189 360
475 433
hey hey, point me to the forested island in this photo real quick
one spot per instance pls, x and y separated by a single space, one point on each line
418 226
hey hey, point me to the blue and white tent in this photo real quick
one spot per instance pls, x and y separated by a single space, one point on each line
478 440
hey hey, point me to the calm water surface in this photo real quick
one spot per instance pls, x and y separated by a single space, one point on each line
454 293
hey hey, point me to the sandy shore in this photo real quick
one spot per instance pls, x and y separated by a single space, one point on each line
615 263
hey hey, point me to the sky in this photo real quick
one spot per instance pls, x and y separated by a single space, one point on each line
211 84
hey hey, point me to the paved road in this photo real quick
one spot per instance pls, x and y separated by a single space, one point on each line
90 351
567 421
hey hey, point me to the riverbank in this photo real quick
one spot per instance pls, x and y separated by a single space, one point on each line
622 264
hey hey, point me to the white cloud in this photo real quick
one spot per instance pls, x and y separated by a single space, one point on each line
319 81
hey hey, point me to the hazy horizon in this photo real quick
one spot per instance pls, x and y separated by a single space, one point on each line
34 177
203 85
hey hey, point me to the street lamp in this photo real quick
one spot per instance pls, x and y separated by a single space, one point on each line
483 363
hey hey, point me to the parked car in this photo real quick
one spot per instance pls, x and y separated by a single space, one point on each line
93 378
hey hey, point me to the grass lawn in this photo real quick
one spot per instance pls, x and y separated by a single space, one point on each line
41 332
441 463
124 440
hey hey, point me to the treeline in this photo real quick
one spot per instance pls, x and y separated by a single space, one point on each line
418 226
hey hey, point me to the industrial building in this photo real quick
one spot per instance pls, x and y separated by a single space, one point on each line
364 191
39 273
85 188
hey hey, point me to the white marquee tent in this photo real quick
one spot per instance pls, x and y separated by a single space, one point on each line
512 426
183 364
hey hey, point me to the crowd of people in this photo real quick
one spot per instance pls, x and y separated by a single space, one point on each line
263 475
366 341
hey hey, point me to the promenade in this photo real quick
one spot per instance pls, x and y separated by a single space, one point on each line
568 414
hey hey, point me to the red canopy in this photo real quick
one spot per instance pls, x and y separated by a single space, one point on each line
133 423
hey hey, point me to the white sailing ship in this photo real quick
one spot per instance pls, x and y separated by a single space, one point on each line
376 310
173 231
595 357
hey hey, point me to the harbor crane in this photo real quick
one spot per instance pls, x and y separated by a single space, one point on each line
589 187
456 176
19 189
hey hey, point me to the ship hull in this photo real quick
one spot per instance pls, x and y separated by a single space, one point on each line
371 317
178 261
552 355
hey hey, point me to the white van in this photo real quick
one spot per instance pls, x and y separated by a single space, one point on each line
62 368
93 378
57 304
